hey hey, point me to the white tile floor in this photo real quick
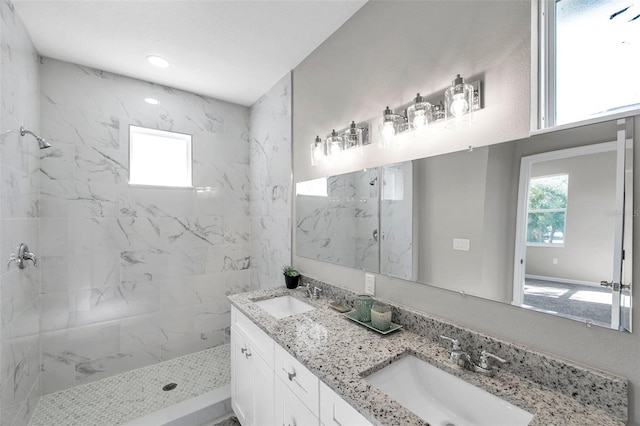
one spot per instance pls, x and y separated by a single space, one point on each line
119 399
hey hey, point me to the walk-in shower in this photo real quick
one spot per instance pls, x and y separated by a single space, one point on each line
41 142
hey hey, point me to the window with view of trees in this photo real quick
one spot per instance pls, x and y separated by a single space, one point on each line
547 210
587 51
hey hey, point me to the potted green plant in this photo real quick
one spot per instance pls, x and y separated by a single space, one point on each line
291 276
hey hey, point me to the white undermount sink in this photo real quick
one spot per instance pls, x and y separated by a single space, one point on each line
284 306
442 399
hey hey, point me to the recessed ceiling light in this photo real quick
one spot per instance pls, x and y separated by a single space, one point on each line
151 101
158 61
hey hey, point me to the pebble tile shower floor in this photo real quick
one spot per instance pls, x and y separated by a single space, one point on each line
125 397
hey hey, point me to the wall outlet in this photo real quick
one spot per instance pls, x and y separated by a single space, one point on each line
370 284
555 261
461 244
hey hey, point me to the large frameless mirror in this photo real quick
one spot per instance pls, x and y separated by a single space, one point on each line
544 223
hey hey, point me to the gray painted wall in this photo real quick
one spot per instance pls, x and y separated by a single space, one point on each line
361 68
587 253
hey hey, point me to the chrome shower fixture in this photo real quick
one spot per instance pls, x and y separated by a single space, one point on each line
41 142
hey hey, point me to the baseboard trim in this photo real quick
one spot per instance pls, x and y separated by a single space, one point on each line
562 280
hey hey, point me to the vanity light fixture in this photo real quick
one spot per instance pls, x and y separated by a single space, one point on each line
318 154
459 103
352 138
158 61
454 107
389 125
419 114
151 101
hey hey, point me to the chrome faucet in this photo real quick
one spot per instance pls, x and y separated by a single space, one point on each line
457 356
463 359
312 293
485 363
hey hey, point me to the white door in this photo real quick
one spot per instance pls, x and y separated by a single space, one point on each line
614 224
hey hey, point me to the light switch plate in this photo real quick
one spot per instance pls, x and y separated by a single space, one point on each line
369 284
461 244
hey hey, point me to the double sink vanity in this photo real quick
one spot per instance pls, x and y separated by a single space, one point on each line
296 361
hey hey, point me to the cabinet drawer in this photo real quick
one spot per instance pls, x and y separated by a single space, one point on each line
262 344
334 411
298 379
290 411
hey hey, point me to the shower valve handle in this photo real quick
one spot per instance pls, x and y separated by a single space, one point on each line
22 256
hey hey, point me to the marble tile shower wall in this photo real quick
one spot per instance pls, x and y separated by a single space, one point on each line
19 211
270 177
339 228
396 219
135 275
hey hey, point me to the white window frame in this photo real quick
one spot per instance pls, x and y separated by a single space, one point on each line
543 15
182 137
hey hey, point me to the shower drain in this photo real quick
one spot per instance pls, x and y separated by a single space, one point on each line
170 386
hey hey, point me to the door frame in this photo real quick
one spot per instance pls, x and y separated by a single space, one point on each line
519 260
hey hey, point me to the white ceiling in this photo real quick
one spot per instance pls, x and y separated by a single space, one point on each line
229 50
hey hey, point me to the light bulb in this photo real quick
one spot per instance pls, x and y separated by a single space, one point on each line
419 119
458 100
388 132
317 151
335 143
459 105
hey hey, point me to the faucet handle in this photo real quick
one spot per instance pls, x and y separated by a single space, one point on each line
316 292
454 342
485 356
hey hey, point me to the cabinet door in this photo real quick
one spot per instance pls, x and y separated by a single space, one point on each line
241 379
334 411
263 393
290 411
301 382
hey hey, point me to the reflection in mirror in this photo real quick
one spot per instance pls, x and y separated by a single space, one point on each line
465 211
337 219
573 235
396 216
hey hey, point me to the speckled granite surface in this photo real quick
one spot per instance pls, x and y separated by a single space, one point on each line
341 353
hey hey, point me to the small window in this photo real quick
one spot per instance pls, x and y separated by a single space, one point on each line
589 52
159 158
547 210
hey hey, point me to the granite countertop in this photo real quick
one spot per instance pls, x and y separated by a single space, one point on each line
341 353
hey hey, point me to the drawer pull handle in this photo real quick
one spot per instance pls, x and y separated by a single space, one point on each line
291 376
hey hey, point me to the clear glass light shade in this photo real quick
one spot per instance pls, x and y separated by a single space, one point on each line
420 113
389 125
334 144
458 103
353 137
317 151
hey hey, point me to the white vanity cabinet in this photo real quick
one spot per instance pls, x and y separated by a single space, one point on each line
252 377
271 387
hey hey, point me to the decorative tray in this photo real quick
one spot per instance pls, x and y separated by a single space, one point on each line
353 317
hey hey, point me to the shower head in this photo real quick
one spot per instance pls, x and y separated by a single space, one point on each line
41 142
